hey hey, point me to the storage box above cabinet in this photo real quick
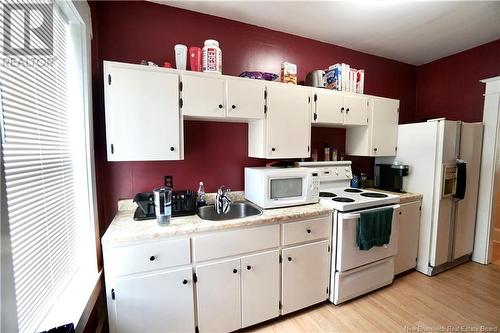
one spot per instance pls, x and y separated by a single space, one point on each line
143 121
286 130
338 109
221 98
380 137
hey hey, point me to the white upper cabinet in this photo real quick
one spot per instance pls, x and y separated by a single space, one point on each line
203 96
286 131
380 137
245 99
355 110
143 121
328 107
339 109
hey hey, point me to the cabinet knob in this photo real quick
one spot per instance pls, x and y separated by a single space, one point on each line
233 106
273 149
308 231
172 148
347 110
184 281
235 271
341 110
374 149
289 258
249 267
152 258
220 106
399 213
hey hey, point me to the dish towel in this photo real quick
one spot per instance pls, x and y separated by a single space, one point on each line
374 228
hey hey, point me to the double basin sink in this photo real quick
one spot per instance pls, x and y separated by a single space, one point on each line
237 210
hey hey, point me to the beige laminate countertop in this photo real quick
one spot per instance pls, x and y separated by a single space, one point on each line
403 197
124 229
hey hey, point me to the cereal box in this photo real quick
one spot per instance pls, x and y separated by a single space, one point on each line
360 81
332 78
289 73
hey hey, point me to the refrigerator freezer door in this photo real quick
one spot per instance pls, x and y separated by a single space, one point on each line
465 221
442 223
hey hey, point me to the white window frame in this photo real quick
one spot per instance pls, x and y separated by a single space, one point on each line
72 309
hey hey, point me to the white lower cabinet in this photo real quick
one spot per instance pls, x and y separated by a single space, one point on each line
306 272
218 296
220 281
409 225
155 302
260 287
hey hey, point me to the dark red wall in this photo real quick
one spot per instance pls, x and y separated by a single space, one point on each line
450 87
132 31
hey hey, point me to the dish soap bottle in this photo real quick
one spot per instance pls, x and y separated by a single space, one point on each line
201 196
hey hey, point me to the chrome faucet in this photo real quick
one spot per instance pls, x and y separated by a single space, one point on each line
222 201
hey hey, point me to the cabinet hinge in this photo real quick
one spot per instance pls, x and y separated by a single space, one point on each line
181 103
280 259
308 148
367 120
180 85
329 248
265 109
196 330
195 278
112 294
396 148
327 290
398 109
265 94
109 78
367 103
279 305
112 149
315 116
309 100
315 97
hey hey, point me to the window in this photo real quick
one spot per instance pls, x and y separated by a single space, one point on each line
47 165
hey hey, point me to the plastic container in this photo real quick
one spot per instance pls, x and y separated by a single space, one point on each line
180 56
201 196
334 154
195 59
212 57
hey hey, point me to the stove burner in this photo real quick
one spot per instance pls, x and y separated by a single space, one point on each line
342 199
352 190
327 195
374 195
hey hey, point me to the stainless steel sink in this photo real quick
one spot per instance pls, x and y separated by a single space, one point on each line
237 211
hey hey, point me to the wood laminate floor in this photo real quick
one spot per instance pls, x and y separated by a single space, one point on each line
463 299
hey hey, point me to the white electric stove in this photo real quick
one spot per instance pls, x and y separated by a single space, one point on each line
354 272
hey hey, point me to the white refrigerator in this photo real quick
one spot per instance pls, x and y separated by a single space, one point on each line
444 159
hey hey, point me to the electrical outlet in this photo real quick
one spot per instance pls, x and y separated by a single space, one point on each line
169 181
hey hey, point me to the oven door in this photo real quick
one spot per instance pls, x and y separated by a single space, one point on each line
349 256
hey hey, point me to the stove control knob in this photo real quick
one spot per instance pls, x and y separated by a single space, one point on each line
336 172
347 169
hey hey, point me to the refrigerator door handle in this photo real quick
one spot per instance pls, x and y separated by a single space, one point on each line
461 180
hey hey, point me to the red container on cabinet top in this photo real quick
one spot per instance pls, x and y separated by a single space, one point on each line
195 58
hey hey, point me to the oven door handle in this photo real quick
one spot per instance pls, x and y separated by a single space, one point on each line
352 216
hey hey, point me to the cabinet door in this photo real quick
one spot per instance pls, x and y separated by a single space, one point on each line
245 99
384 126
409 224
260 287
328 107
288 121
159 302
306 270
218 290
356 110
142 113
202 96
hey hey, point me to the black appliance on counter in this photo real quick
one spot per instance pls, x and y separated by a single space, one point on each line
183 204
389 177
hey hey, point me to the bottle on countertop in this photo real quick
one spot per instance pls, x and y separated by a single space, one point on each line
334 154
327 152
201 196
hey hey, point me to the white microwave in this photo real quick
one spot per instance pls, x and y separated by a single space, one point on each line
281 187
